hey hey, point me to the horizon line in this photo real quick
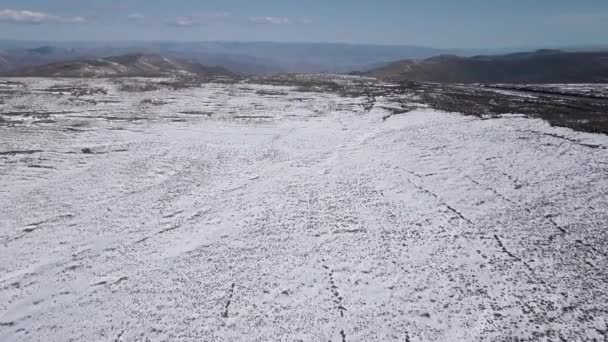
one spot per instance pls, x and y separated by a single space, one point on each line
151 41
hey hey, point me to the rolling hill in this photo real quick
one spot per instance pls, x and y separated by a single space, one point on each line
542 66
129 65
15 59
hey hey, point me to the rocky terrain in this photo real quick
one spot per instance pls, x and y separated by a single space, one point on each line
543 66
306 208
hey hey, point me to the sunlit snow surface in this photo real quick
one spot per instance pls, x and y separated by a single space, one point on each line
244 212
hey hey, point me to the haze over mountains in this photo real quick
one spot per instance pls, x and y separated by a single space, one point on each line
391 63
16 58
241 57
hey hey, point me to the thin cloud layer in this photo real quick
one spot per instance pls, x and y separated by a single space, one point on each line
199 19
214 17
271 20
33 17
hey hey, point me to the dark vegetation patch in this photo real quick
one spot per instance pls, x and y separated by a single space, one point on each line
302 83
153 102
35 114
197 112
270 93
106 117
77 90
253 117
578 110
588 114
591 91
182 83
178 83
14 153
138 87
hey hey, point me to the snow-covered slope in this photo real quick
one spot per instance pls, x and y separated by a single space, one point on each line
253 213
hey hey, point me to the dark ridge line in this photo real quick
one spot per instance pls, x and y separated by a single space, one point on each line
36 113
168 229
513 256
591 248
229 301
558 227
549 218
33 227
253 117
173 214
459 214
554 135
450 208
574 141
16 152
496 193
525 89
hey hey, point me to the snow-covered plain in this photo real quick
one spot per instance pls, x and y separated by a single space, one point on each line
244 212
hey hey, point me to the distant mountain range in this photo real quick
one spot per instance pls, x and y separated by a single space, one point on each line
12 59
242 57
217 58
542 66
130 65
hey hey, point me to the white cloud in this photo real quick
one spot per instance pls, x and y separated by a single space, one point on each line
271 20
280 20
199 19
33 17
182 22
75 20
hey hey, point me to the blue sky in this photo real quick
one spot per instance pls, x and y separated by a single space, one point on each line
435 23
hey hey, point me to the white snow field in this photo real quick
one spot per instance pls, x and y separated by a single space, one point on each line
244 212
